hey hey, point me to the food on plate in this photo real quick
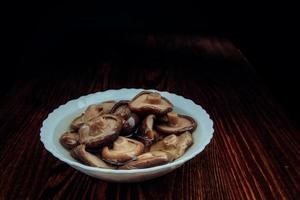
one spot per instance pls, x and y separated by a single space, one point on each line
129 134
149 159
91 112
123 150
176 124
173 144
150 103
87 158
130 120
100 131
147 133
69 140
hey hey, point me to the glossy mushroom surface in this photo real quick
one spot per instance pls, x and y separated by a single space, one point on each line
130 120
100 131
79 153
69 140
91 112
150 103
177 124
123 150
149 159
146 133
173 144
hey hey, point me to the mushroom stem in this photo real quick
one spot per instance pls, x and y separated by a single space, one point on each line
173 118
154 98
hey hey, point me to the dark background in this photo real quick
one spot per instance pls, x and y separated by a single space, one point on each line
43 37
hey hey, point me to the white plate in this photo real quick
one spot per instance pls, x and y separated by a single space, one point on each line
58 122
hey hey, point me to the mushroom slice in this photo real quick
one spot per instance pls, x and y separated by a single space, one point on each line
130 119
175 145
100 131
177 124
150 103
69 140
124 149
77 122
98 109
149 159
91 112
79 153
147 133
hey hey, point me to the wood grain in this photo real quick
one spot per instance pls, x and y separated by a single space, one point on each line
254 153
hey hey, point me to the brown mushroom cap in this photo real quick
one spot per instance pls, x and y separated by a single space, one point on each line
175 145
177 124
100 131
130 119
149 159
79 153
124 149
147 133
150 103
69 140
91 112
121 109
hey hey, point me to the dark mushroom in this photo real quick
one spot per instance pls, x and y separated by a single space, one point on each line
149 159
69 140
100 131
91 112
175 145
80 154
130 119
162 119
146 133
123 150
177 124
150 103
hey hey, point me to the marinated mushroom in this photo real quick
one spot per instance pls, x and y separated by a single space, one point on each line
79 153
177 124
78 122
150 103
130 119
147 133
91 112
69 140
149 159
175 145
100 131
162 136
124 150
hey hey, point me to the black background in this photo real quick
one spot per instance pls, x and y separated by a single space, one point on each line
42 37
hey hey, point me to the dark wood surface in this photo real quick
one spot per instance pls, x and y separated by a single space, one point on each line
254 153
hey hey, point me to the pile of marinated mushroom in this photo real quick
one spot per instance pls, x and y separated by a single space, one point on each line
141 133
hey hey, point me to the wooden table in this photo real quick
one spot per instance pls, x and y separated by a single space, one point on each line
254 153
